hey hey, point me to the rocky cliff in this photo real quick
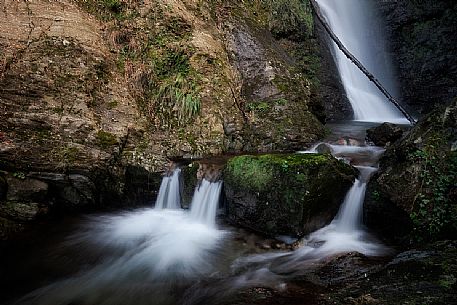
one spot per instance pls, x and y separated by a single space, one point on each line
96 96
422 35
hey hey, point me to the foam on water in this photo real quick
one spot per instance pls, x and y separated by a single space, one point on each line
150 249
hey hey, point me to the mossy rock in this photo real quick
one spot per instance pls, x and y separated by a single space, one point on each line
292 194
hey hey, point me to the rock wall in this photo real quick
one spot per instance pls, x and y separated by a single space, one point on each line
422 35
97 96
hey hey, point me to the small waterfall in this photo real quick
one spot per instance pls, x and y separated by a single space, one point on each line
357 26
349 217
169 196
205 202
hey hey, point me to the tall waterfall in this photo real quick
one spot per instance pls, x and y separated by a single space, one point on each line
169 196
357 26
205 201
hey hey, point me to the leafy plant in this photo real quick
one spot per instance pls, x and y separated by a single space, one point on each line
176 101
19 175
105 139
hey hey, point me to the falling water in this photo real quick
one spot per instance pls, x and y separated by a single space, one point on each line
151 251
357 26
349 217
205 201
169 195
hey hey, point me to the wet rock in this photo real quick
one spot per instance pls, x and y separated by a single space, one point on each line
19 211
415 28
416 174
26 189
330 90
141 186
323 149
384 134
285 194
278 118
426 273
71 190
3 188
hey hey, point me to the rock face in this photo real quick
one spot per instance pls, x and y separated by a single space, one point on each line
410 277
96 96
285 194
415 187
422 35
384 134
331 92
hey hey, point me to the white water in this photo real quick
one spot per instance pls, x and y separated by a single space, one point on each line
169 195
357 26
205 202
150 251
345 233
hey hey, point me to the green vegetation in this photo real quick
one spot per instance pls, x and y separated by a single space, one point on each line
113 104
106 9
286 17
264 106
175 101
167 84
435 211
19 175
105 139
251 171
257 172
65 156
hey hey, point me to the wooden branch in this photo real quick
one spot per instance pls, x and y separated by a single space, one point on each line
359 65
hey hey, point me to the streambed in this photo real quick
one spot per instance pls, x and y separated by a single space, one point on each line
165 255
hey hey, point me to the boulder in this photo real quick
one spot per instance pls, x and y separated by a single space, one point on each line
384 133
415 186
285 194
19 211
21 188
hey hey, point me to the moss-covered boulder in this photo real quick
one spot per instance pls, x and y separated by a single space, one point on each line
416 187
285 194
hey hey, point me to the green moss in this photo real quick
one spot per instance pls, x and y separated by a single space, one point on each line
105 139
113 104
250 171
257 172
280 193
107 9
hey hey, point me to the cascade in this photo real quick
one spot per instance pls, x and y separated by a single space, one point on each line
357 26
205 201
169 192
346 233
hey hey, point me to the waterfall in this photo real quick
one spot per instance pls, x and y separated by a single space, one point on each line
349 217
205 202
357 26
169 192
